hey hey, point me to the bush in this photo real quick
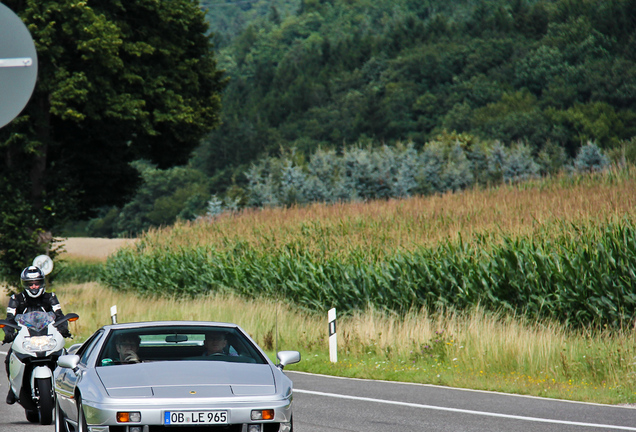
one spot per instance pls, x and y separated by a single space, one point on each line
590 158
519 164
78 271
162 197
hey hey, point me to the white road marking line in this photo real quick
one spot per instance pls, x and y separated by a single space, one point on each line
464 411
458 389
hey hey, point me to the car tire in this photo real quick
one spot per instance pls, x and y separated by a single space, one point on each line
45 406
60 419
82 426
32 416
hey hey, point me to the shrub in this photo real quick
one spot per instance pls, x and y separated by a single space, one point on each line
590 158
519 164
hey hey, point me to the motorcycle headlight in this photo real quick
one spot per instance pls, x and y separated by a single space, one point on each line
39 343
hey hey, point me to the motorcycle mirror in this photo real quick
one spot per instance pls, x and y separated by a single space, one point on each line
4 324
67 317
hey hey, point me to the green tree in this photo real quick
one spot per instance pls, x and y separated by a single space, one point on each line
163 196
598 122
118 81
341 71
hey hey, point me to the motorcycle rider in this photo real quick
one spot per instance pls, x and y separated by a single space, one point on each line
33 298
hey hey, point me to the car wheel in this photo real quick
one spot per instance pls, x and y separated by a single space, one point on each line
60 419
45 406
82 426
32 416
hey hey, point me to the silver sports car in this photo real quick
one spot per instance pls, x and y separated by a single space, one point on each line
172 376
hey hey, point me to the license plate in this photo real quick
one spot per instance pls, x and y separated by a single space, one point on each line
194 417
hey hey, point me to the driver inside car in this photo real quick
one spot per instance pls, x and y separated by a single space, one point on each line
127 346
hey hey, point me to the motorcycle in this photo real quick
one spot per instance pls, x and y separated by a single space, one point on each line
35 350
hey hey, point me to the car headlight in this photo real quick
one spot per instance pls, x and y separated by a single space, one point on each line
39 343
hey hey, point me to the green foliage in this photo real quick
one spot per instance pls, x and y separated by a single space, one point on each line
581 275
591 159
341 72
163 197
20 243
451 162
596 121
551 159
105 225
117 81
228 19
78 271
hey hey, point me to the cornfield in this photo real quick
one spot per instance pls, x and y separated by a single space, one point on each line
563 249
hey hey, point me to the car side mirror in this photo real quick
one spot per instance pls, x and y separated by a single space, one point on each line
69 361
74 348
287 357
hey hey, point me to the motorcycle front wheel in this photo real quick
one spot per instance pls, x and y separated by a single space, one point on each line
32 416
45 407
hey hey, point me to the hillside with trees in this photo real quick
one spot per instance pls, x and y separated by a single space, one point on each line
229 18
336 100
341 73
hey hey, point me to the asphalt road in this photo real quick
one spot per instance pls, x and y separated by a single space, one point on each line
335 404
12 417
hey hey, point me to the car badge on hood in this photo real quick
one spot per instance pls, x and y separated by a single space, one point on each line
193 392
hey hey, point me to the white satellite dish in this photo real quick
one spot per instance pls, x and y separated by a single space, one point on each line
44 262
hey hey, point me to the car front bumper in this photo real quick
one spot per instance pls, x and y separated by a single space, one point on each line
101 416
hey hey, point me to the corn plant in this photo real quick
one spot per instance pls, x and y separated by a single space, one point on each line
584 275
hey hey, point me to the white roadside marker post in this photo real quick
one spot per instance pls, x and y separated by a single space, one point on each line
113 314
333 340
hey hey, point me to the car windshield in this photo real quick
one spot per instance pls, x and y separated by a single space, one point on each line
36 320
178 343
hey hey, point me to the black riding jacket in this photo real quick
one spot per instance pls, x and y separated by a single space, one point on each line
22 303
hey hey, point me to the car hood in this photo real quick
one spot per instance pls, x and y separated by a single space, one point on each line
192 379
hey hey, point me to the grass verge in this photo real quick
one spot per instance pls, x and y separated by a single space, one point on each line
477 350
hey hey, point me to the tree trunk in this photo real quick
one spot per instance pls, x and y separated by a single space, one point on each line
38 167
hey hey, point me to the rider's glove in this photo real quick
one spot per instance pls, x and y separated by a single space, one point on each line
8 337
65 333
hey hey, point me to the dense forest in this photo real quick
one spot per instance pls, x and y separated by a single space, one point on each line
339 72
536 79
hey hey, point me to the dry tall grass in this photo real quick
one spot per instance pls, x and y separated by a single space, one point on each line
476 342
485 350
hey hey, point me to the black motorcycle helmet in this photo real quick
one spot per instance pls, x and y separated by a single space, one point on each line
33 281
